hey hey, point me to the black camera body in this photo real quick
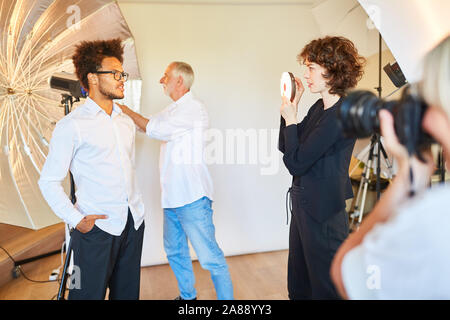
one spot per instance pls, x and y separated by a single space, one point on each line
358 115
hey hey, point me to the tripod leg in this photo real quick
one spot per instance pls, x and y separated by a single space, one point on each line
441 165
63 284
364 173
364 177
364 184
358 196
386 158
378 175
361 191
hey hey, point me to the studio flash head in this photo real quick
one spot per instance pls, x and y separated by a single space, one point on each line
68 83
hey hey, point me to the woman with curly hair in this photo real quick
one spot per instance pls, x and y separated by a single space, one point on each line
318 156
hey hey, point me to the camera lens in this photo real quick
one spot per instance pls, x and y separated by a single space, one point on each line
359 114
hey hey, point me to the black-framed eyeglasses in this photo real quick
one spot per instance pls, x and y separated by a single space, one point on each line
118 75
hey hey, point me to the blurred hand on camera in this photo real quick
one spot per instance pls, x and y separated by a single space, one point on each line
436 123
391 141
422 171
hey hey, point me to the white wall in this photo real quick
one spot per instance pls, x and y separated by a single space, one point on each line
238 52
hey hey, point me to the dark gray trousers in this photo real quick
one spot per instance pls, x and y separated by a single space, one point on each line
105 261
312 246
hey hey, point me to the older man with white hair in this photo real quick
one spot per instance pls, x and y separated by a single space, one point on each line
186 184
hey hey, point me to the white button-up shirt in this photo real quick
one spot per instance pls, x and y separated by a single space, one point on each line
184 175
99 151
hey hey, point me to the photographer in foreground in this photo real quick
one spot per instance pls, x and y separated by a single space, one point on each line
401 249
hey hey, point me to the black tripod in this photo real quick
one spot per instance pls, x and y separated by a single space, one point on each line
441 165
66 99
365 177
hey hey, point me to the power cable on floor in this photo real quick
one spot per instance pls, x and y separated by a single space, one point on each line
19 268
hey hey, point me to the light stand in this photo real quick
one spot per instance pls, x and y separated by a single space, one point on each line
441 165
376 139
379 89
66 99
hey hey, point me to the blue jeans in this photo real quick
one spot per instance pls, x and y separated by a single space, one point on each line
194 221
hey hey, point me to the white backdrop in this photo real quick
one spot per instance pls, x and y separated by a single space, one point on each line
238 52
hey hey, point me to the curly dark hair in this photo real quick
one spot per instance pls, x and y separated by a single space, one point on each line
339 57
89 55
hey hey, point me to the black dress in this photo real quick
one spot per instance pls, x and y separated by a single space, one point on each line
318 157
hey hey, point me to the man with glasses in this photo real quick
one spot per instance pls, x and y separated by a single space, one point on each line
96 143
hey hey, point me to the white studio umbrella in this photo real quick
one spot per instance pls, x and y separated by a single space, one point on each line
410 28
347 18
37 41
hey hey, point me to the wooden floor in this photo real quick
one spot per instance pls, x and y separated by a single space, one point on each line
255 277
23 243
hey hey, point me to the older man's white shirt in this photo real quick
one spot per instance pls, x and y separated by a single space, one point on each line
184 175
